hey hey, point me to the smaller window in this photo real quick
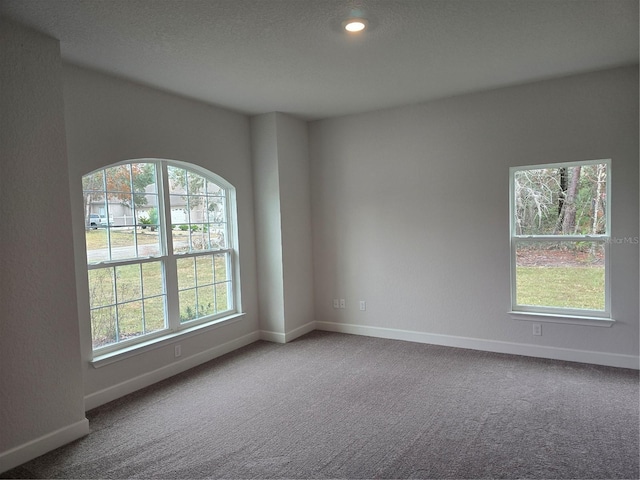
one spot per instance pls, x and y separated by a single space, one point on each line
559 221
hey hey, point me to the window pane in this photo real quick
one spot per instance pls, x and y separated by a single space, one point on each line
103 326
122 243
130 323
93 182
188 305
222 297
177 179
118 179
221 266
125 203
206 301
148 241
197 183
204 269
154 314
152 279
197 209
561 201
216 210
218 237
144 178
107 215
97 242
180 237
101 292
186 273
199 237
561 274
128 281
178 210
214 189
95 206
147 210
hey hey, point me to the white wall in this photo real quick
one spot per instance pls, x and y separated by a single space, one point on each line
410 213
41 404
266 180
280 154
295 199
109 120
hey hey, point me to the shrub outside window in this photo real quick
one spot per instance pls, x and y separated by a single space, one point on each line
160 250
560 236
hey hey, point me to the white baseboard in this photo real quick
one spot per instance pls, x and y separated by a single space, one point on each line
275 337
555 353
298 332
278 337
41 445
114 392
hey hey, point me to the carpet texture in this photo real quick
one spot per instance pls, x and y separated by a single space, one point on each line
331 405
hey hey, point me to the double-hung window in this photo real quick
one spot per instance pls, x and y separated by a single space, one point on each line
560 236
161 250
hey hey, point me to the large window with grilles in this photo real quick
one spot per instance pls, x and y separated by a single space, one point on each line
161 248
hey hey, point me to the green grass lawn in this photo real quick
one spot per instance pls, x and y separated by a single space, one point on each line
568 287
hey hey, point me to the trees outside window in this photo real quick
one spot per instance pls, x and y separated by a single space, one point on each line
560 227
166 261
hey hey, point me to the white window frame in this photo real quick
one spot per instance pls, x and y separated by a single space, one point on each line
561 314
173 326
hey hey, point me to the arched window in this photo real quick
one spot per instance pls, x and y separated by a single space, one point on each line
161 245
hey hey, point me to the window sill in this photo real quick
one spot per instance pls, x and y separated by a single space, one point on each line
163 341
559 318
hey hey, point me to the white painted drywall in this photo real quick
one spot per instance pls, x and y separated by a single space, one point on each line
41 394
295 205
266 185
283 227
410 207
109 120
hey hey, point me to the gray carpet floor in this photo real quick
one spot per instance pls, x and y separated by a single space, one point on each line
341 406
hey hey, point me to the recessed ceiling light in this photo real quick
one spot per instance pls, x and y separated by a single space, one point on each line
354 25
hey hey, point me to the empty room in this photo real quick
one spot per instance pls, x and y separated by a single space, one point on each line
319 239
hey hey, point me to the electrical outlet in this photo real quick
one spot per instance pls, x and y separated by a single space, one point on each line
363 305
537 329
177 350
343 303
336 303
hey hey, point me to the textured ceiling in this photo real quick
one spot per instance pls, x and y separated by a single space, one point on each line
259 56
